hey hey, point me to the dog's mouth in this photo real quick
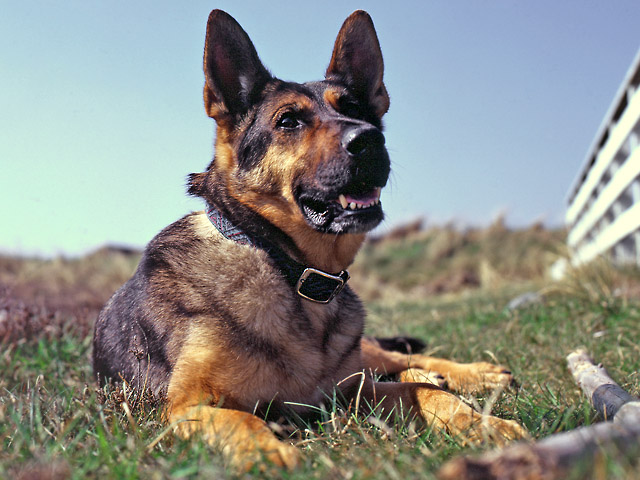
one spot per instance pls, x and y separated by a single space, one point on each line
368 200
354 211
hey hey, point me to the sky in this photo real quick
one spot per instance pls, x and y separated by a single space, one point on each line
494 105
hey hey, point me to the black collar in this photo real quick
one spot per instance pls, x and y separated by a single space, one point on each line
309 283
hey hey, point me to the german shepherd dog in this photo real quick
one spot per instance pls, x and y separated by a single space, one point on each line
242 312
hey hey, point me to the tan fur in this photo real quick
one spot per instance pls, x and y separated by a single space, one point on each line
328 252
228 429
470 377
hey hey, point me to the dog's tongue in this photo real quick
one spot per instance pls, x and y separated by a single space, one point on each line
365 199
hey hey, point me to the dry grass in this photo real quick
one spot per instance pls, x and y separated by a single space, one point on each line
52 298
415 263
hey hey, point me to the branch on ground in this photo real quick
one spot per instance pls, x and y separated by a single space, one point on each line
553 456
605 395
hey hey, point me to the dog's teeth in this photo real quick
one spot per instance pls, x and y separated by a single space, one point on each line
342 200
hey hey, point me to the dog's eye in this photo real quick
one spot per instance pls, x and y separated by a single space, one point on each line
289 121
350 109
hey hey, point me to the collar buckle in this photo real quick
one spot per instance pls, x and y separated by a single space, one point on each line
319 286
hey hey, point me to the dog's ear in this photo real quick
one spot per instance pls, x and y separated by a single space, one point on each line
357 61
233 72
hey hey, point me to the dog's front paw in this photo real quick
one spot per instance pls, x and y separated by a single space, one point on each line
284 456
245 440
419 375
488 428
477 377
444 410
268 457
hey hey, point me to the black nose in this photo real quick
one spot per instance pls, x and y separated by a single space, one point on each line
362 140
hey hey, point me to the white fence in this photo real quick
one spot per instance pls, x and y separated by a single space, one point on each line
603 213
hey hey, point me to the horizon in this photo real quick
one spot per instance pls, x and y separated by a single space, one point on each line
493 108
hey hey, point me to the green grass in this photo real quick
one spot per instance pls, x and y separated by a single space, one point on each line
56 424
53 417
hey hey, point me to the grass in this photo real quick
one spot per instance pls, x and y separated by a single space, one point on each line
56 423
447 259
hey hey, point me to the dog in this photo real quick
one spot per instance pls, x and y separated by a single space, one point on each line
242 312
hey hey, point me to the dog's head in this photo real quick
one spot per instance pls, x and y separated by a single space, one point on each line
302 156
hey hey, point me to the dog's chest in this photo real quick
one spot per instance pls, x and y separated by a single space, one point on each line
256 340
317 348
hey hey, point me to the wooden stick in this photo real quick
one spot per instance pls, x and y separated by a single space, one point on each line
604 394
550 457
555 455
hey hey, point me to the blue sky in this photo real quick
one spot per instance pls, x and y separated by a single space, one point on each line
493 106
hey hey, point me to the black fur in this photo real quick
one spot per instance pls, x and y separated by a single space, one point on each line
406 345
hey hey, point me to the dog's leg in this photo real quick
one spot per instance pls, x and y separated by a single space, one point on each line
468 377
385 362
440 409
244 439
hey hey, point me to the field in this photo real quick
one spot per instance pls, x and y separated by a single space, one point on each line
446 286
